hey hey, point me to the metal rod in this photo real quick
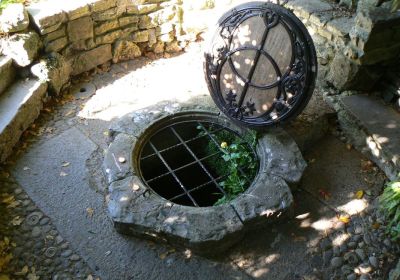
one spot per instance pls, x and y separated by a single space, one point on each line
172 173
253 68
182 167
199 187
180 144
198 161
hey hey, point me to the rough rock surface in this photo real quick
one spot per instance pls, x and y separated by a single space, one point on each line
7 73
23 48
54 70
19 107
125 50
14 18
90 59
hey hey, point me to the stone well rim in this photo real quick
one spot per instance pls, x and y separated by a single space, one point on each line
146 132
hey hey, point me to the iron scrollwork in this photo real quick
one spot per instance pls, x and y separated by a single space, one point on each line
293 87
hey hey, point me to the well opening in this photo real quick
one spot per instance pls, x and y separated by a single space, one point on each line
186 161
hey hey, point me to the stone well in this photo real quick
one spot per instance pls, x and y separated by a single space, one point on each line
136 209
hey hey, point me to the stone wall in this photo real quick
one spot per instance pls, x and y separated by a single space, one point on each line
353 47
62 40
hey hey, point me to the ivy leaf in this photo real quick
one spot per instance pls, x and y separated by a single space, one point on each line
226 157
395 5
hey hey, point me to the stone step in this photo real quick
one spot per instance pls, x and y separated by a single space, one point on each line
373 128
20 105
7 73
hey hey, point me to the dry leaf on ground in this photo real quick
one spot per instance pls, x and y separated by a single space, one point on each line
17 221
90 212
344 219
359 194
324 194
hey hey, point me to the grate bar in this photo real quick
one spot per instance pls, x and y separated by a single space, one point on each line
182 167
199 187
173 173
219 147
198 161
180 144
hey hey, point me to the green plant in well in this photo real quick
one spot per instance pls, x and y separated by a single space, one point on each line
236 156
395 5
390 207
236 163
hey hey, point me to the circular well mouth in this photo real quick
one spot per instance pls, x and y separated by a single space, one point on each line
181 158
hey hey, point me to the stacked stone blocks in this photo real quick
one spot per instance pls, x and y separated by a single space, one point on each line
81 33
352 47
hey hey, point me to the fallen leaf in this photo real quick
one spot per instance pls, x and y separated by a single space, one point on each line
8 199
65 164
17 221
63 174
349 147
366 165
376 225
32 276
324 194
359 194
90 277
370 182
69 113
50 130
106 133
90 212
163 255
23 271
14 204
5 260
300 239
344 219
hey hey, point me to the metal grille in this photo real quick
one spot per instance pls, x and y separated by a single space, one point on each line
280 80
175 162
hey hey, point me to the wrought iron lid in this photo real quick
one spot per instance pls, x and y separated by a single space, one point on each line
261 65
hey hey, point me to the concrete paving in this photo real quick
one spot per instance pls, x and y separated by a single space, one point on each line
380 125
57 168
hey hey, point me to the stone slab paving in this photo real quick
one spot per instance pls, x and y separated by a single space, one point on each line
336 171
375 129
285 251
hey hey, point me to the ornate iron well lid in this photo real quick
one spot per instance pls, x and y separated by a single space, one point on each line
261 65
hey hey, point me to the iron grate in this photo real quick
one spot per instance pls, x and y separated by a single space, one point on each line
175 162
